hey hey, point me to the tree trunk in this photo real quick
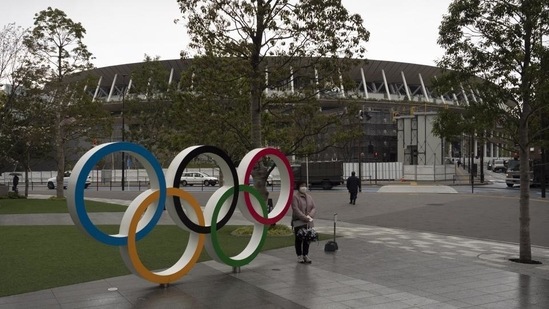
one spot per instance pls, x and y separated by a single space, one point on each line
27 169
259 172
255 112
60 157
525 255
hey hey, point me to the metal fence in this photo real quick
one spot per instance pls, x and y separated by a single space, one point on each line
98 176
368 171
134 179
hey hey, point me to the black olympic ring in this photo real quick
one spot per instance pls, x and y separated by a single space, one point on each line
227 168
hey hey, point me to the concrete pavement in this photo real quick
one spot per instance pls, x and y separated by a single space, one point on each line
426 264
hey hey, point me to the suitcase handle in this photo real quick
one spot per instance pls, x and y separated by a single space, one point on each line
335 219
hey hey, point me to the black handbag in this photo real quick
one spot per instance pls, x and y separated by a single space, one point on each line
307 234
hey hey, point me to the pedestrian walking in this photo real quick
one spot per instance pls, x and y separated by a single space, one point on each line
15 182
353 185
303 212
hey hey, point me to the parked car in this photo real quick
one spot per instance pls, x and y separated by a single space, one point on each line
498 165
198 178
53 181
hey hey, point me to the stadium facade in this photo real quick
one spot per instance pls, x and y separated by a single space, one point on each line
388 92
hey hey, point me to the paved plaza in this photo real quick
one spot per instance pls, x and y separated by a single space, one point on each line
399 247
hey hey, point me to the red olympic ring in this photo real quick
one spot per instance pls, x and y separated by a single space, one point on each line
286 177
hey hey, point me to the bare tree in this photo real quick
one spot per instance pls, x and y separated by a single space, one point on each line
12 56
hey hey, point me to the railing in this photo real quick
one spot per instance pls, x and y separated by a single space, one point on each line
134 179
138 178
98 176
374 171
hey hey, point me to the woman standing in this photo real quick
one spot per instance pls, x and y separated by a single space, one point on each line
303 212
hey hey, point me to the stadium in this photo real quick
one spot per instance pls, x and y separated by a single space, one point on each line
398 105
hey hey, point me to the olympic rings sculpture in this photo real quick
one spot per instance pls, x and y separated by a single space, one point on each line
145 210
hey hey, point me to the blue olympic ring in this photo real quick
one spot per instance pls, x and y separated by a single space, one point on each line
75 189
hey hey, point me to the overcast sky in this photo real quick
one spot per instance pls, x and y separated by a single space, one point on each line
123 31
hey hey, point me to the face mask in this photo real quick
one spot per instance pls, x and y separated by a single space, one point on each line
302 189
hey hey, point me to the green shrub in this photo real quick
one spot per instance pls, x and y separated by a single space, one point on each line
274 230
12 195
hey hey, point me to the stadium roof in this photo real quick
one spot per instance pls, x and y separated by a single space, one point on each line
374 79
372 71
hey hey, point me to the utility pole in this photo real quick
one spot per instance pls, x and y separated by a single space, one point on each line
123 128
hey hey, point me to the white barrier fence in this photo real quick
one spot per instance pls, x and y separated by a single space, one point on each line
369 171
396 171
388 171
98 176
445 172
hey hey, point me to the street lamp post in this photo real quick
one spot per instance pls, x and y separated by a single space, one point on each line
364 117
123 127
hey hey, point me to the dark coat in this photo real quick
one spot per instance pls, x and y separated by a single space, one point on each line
353 184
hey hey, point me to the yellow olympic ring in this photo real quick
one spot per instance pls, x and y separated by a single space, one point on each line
188 258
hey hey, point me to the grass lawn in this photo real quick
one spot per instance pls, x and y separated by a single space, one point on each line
34 258
41 257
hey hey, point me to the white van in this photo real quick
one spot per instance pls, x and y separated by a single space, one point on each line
498 166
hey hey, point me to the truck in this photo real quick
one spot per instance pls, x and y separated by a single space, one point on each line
537 171
325 175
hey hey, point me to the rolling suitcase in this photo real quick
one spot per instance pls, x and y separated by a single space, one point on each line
331 245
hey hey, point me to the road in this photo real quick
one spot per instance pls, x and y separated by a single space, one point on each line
489 211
